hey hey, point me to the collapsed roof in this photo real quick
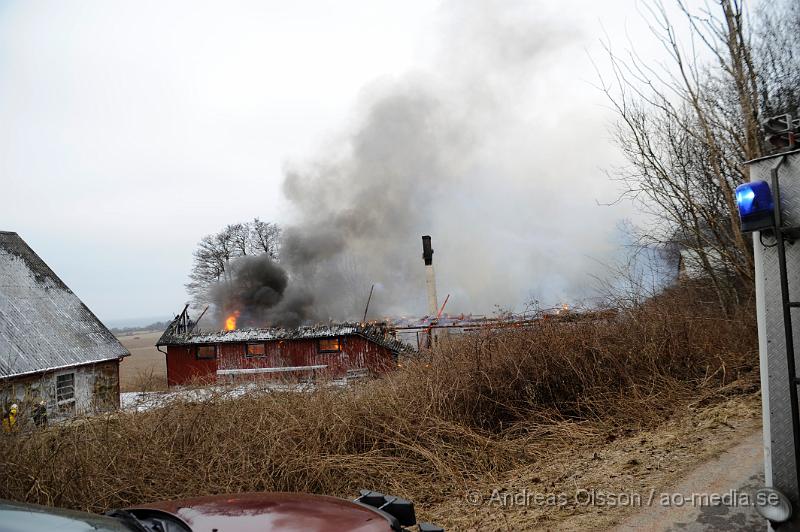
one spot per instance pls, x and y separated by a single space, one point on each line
43 324
373 332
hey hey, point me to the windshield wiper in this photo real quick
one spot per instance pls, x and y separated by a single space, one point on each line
132 522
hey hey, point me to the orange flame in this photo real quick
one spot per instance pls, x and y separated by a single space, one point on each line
230 321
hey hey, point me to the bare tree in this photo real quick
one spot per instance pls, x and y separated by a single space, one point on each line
265 238
239 237
776 28
215 252
211 259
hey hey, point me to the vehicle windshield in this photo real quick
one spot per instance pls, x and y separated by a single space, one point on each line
16 517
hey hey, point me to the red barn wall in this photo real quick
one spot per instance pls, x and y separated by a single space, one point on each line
183 366
356 353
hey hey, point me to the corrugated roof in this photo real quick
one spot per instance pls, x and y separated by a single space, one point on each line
374 333
43 324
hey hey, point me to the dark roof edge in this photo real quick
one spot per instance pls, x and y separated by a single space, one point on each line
392 344
164 339
366 332
57 368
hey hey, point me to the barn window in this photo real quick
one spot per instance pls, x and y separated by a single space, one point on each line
65 392
206 352
329 345
256 350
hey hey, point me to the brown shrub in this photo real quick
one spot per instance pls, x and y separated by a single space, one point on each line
147 380
628 369
471 409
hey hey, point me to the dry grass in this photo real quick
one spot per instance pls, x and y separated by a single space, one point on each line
147 380
468 413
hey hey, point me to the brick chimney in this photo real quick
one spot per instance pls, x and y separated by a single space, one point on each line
430 276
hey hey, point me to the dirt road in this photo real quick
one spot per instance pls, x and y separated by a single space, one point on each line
737 472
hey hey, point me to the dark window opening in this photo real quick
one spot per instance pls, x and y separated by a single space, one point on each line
256 350
329 345
206 352
65 393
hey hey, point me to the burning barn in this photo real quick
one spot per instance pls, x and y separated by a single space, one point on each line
335 351
52 348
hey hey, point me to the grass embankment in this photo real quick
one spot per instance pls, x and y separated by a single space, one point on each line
468 414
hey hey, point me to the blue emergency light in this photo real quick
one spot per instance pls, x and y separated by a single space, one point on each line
754 201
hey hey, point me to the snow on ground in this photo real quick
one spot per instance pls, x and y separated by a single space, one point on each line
142 401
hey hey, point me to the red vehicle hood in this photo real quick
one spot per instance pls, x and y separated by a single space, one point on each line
273 512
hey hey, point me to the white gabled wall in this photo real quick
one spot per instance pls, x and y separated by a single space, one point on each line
90 380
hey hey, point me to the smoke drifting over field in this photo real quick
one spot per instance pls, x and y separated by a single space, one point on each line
464 152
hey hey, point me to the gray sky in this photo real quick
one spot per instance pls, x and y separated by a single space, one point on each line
128 130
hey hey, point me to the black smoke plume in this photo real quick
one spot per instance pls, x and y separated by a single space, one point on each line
255 290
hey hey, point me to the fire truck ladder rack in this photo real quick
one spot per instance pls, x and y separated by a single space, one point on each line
784 235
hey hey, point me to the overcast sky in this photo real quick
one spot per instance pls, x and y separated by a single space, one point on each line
128 130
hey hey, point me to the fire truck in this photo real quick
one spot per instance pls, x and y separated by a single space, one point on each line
769 208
